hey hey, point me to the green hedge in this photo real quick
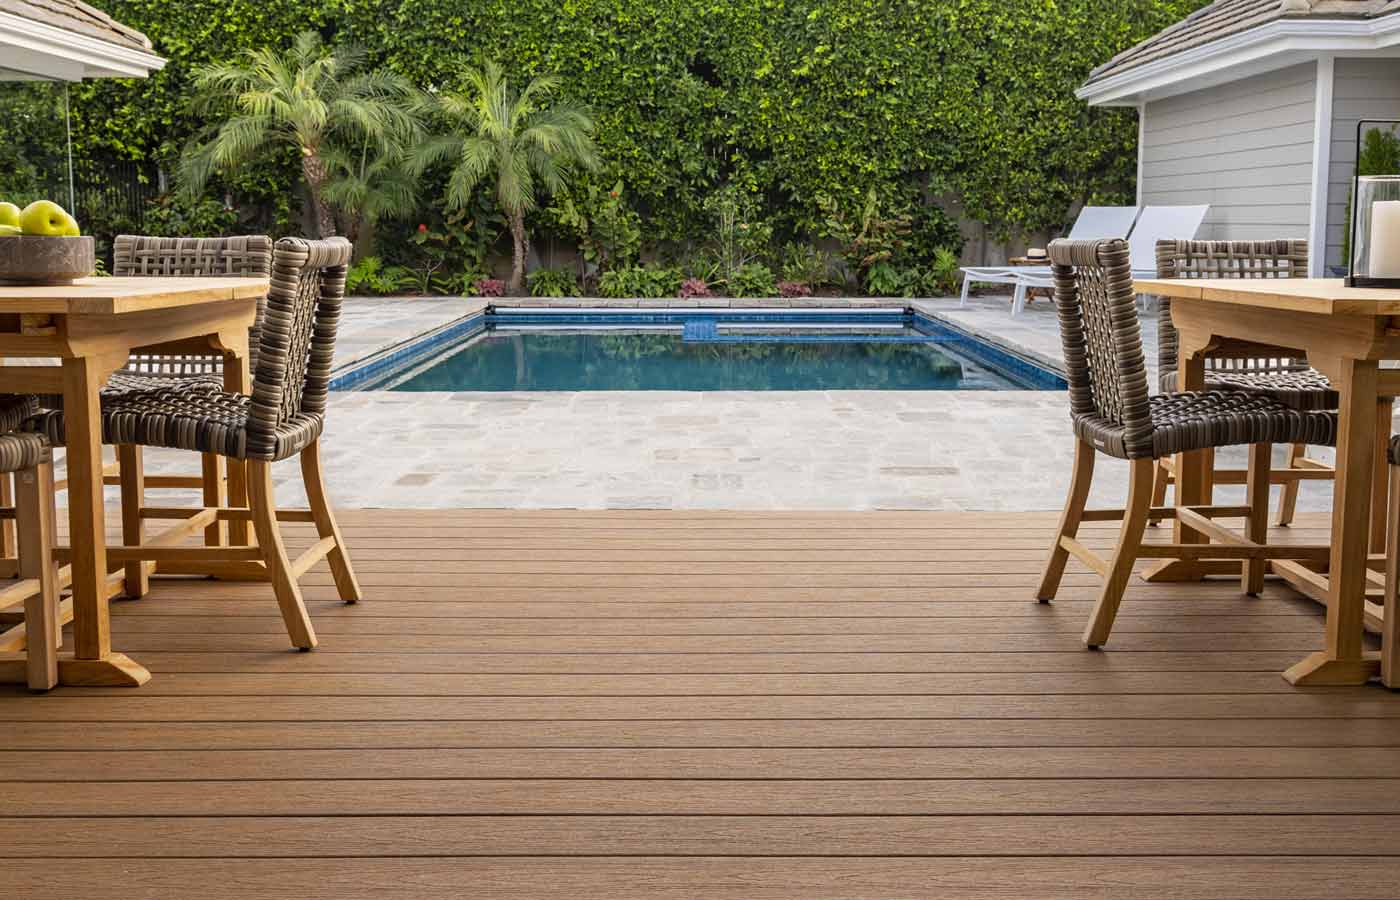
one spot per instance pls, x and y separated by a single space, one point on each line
794 98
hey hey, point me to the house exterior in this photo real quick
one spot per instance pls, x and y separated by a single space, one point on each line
67 40
1252 106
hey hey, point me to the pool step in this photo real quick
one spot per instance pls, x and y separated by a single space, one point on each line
699 330
706 331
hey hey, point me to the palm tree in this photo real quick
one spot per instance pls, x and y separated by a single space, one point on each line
529 139
300 98
367 185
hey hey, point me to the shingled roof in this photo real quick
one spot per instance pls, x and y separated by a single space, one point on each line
78 17
1224 18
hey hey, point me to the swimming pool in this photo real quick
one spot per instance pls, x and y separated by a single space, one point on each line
506 349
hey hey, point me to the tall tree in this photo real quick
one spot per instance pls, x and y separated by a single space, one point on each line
529 139
301 97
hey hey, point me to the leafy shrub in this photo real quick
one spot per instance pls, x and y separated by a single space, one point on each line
489 287
806 264
370 275
794 289
885 279
694 289
553 283
646 281
608 231
741 237
173 216
753 280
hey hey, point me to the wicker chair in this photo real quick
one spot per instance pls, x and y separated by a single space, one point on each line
282 418
1113 413
246 256
1289 380
30 460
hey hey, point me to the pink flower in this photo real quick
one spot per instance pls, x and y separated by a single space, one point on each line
422 227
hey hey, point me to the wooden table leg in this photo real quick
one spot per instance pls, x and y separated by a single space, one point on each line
236 381
1344 661
1194 474
93 661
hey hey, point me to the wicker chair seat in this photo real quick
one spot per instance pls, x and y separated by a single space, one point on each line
1304 389
1197 421
202 421
20 451
1393 452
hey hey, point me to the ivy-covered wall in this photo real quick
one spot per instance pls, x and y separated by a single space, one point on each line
795 98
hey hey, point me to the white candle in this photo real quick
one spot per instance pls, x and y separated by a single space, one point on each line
1385 239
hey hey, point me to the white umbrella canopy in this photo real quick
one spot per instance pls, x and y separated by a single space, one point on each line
67 40
62 41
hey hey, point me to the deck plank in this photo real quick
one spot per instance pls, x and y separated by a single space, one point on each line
621 704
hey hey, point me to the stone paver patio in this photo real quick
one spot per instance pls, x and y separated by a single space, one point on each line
1005 450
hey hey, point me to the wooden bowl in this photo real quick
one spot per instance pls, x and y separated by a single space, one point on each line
42 259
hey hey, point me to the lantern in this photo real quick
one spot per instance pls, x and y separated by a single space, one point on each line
1374 258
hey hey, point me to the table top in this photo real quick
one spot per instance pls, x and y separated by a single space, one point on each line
114 296
1324 296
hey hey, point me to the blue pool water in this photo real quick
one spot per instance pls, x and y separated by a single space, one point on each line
686 350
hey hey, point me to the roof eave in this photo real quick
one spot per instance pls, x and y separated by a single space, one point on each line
1269 46
45 51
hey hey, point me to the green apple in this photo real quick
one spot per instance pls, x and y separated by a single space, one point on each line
9 214
48 218
8 230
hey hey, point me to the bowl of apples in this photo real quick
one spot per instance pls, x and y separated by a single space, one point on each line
41 244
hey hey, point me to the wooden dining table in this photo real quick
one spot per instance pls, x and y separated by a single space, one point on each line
1345 333
91 327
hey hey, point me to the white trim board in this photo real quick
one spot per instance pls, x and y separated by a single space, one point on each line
1321 165
46 51
1274 45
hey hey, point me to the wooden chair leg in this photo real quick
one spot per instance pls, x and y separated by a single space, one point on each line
1129 541
1257 488
7 528
133 489
274 552
1381 475
1288 500
34 518
1080 481
1159 486
216 535
339 558
1390 627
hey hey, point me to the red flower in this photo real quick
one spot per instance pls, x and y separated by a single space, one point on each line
422 227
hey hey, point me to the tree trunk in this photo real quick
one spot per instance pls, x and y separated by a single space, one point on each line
522 250
315 173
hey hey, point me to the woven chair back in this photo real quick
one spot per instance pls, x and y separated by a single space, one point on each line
1227 259
296 345
1102 338
244 256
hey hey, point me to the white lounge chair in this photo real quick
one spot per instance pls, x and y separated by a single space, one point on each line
1155 224
1093 222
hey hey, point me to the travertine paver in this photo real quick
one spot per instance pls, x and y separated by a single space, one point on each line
998 450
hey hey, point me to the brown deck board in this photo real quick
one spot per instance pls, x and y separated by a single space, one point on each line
739 705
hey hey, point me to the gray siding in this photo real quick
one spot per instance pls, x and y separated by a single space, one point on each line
1245 148
1362 89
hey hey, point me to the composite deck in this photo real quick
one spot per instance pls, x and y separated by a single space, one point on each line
644 704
